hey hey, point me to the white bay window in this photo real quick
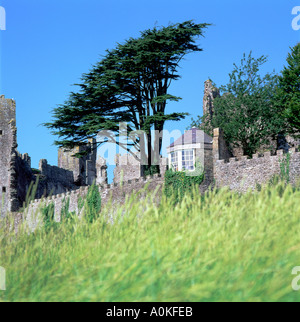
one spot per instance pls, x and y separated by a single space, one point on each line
183 159
188 160
174 160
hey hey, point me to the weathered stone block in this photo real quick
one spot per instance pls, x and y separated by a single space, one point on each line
280 152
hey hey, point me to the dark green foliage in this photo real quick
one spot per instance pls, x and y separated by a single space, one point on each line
246 110
274 181
130 84
93 203
285 168
204 123
258 187
36 171
80 203
151 170
178 183
65 208
66 215
48 216
288 93
31 192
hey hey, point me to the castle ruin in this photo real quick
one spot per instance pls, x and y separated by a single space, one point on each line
210 94
71 178
16 174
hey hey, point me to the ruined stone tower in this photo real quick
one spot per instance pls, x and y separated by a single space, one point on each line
101 171
16 174
84 168
210 93
15 169
7 146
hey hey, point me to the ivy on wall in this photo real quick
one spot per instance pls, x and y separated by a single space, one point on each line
178 183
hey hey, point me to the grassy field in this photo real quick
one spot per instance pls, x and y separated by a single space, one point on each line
224 247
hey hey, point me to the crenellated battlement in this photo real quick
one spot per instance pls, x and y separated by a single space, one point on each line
70 179
104 187
267 154
9 102
129 167
243 173
116 192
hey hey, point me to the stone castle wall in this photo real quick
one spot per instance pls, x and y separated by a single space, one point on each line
129 168
101 167
208 167
115 192
241 175
17 176
54 180
220 147
83 168
21 179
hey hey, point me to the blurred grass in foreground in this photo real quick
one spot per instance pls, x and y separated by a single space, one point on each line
221 247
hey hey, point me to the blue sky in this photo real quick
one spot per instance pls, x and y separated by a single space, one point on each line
49 44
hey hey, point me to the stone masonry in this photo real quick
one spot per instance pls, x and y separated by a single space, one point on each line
83 168
70 178
210 93
223 166
17 176
7 148
116 193
129 168
241 174
101 171
220 147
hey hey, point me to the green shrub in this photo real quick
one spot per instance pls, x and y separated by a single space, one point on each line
66 215
178 183
80 203
151 170
92 203
36 171
284 164
48 216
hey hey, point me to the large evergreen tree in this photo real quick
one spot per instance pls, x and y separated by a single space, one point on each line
288 94
130 84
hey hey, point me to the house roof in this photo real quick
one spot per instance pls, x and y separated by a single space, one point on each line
192 136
